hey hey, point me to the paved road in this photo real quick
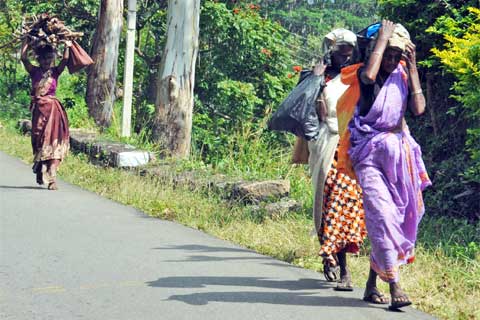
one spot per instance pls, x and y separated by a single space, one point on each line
71 254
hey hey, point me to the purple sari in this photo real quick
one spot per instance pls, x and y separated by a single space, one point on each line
389 167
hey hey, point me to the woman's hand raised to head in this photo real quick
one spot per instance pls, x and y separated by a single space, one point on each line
410 55
386 30
24 56
24 49
319 69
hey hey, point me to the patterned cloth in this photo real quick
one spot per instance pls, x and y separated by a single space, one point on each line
343 224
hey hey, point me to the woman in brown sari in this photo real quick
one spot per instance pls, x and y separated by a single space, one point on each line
50 135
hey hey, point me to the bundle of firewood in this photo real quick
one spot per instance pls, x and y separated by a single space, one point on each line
46 30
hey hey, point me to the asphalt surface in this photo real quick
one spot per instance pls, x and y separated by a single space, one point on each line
70 254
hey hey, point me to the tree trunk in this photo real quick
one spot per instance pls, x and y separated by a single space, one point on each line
102 74
174 86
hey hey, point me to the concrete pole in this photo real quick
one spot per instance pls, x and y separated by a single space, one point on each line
129 63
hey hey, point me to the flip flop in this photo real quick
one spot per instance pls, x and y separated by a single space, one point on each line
345 284
400 304
375 297
332 274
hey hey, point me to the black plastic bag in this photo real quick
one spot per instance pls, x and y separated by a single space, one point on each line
298 112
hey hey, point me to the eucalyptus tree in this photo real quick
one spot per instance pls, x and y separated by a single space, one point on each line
176 79
102 74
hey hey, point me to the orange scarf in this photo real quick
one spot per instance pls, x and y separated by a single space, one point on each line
345 109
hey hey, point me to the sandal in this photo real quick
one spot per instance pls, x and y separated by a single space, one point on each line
52 186
399 304
374 296
332 274
345 283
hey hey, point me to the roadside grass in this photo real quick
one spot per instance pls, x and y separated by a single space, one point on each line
443 281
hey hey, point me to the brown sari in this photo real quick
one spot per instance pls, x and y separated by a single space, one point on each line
50 134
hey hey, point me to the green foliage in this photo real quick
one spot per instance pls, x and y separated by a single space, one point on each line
70 92
243 72
14 81
320 16
461 56
449 123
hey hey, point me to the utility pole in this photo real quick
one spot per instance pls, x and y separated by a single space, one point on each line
129 64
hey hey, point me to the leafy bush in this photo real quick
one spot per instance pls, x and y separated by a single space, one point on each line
243 71
446 130
461 56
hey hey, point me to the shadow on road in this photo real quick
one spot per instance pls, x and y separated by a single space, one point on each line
210 249
202 282
201 248
278 298
22 187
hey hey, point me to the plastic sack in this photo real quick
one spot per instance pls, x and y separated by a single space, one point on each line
365 36
298 112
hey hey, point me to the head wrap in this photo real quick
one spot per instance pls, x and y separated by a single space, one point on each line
338 37
400 38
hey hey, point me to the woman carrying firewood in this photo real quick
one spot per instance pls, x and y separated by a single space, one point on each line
50 135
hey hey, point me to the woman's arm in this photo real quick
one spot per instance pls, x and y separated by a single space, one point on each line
369 74
24 57
66 56
416 103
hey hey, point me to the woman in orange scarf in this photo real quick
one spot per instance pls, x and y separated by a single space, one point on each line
337 209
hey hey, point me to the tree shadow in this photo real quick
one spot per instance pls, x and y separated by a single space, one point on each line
210 249
202 248
277 298
203 258
202 282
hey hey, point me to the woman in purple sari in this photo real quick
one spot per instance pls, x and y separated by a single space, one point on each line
387 160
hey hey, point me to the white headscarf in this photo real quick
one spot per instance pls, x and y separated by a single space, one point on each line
338 37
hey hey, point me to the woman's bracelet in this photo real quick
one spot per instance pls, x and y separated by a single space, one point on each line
417 92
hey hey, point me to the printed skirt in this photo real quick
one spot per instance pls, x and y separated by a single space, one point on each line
343 217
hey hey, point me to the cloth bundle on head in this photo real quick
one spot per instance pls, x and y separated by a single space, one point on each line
400 38
338 37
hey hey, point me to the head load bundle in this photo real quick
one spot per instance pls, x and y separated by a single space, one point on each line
44 33
368 37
